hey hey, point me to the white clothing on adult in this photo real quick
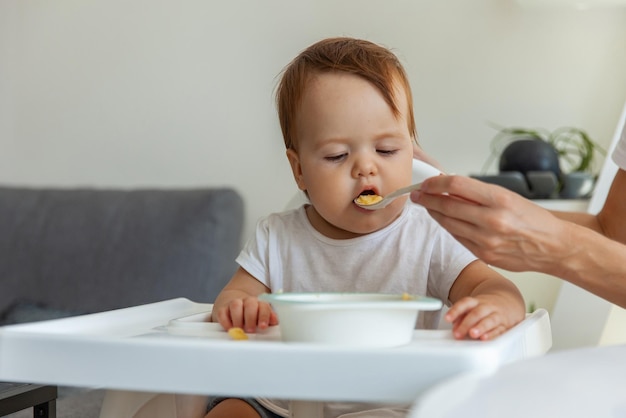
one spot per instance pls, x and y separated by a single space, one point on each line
619 154
413 254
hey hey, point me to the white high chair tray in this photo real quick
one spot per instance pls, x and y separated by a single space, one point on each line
150 348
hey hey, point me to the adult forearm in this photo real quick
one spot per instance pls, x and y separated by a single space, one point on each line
610 220
595 263
584 219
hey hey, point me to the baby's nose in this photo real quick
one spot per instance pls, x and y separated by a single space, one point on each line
364 167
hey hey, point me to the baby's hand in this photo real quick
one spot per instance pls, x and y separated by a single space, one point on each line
249 314
479 318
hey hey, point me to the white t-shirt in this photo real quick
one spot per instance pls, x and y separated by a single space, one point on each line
619 154
413 254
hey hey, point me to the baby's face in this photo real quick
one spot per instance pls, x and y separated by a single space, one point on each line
349 141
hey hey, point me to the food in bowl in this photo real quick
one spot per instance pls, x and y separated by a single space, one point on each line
349 319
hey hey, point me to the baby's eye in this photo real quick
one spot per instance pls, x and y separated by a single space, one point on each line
387 151
335 158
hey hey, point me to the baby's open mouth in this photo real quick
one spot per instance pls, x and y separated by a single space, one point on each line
368 197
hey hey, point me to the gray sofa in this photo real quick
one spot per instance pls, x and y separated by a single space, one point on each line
67 252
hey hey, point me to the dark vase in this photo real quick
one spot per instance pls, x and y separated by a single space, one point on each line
530 154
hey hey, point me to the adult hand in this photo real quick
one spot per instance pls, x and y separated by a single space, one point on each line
499 226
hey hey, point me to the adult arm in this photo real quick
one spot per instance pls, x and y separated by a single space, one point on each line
507 231
611 220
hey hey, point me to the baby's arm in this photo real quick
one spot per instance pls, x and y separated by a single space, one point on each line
485 303
237 304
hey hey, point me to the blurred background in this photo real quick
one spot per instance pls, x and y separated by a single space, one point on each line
155 93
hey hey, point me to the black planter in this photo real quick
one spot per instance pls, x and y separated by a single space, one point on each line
530 167
530 154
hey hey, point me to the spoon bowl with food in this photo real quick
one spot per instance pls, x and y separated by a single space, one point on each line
421 171
374 201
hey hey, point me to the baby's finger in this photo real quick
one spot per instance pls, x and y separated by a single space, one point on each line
235 313
223 318
460 308
480 325
273 317
475 321
265 314
490 335
251 314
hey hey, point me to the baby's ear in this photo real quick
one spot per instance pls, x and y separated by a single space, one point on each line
296 168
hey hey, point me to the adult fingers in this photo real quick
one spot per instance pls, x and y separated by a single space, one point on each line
465 188
465 232
450 207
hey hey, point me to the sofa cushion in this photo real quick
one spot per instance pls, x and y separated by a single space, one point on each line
89 250
24 311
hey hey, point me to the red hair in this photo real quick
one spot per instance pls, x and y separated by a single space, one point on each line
374 63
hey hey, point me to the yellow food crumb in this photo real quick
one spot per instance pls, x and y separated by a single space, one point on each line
237 334
406 296
368 199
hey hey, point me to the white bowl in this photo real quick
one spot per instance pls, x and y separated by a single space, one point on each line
349 319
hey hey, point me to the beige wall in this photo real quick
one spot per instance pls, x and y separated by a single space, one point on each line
179 93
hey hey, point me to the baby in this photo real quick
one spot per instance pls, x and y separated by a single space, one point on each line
346 113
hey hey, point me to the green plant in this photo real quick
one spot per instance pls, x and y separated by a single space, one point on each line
575 147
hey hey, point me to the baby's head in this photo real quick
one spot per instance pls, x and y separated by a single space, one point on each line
372 62
346 113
